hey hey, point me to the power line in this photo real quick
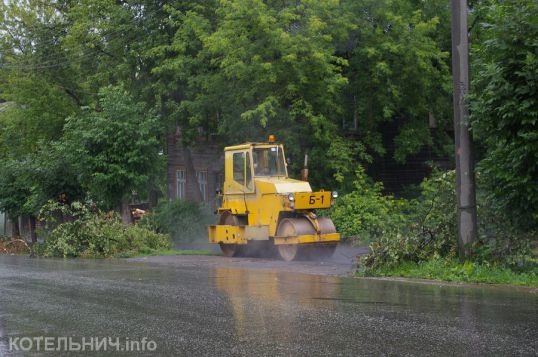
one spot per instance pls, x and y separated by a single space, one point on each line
36 29
52 63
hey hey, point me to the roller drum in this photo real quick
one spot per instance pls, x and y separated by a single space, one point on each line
293 227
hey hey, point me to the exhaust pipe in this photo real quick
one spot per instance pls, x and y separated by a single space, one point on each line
304 171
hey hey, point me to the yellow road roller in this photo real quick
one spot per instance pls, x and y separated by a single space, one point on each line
264 212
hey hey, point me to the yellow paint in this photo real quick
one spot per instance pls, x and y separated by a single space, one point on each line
237 234
227 234
262 199
309 238
313 200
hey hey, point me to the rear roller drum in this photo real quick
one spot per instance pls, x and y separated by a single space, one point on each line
230 250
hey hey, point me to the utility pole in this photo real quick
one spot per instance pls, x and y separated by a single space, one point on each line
465 178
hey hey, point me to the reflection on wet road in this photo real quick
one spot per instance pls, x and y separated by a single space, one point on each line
228 311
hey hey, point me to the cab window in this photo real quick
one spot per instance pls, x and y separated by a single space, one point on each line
269 162
248 181
242 173
239 167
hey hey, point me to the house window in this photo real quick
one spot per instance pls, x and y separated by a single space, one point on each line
201 177
181 180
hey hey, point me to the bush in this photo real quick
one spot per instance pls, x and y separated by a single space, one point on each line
365 214
93 234
500 238
430 231
184 221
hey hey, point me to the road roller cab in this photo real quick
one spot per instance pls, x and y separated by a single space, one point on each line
265 212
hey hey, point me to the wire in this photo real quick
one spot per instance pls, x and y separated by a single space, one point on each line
52 63
36 29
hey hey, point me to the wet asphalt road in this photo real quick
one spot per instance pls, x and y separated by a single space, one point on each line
213 309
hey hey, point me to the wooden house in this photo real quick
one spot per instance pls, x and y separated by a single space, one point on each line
194 172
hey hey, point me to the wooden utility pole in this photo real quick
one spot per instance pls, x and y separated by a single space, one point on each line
465 180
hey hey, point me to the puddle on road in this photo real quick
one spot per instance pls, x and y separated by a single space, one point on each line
280 304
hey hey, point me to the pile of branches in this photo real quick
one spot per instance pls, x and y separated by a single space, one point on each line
13 246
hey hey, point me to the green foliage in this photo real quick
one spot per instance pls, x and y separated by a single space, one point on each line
300 70
184 221
15 186
428 231
39 100
37 104
30 181
90 233
504 107
499 239
366 214
453 270
114 148
240 69
50 70
398 72
93 86
339 154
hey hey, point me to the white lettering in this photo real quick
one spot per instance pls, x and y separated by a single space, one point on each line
29 345
14 343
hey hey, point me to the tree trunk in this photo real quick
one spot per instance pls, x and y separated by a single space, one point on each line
33 233
153 194
4 232
125 212
15 228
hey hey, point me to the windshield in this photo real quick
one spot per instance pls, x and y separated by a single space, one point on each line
269 161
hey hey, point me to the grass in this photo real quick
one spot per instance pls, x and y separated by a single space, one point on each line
169 252
453 270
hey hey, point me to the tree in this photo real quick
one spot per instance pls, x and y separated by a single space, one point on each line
39 96
398 72
504 107
15 189
246 69
242 69
114 147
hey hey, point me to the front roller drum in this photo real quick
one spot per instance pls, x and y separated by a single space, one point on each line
293 227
